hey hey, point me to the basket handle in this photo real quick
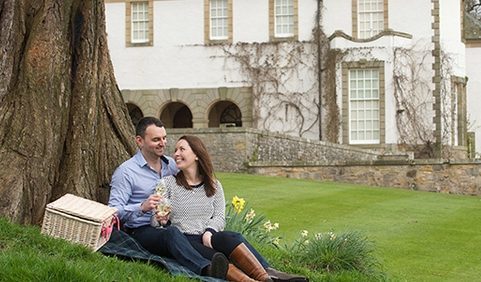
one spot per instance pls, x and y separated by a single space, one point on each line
107 229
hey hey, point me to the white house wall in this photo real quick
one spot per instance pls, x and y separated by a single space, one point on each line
450 28
253 28
179 58
417 22
473 71
337 15
413 17
402 18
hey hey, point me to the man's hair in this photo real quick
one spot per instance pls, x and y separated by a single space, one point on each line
144 123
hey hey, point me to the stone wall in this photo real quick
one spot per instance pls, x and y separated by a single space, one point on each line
233 148
424 175
266 153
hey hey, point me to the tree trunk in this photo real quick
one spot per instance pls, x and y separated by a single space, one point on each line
64 126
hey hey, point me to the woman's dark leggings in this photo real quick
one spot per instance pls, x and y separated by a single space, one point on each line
224 242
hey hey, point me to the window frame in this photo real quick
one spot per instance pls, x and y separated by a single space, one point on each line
370 105
347 67
356 31
273 35
129 25
208 38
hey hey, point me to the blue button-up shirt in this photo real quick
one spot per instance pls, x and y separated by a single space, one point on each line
132 183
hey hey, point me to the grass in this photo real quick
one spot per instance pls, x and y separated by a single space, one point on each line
418 236
25 255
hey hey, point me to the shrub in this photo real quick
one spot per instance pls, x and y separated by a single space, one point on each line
330 252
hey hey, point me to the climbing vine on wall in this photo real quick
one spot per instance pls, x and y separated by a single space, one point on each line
284 83
413 93
413 97
332 117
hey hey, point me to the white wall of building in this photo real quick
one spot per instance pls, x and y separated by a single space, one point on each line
402 18
179 59
255 27
473 71
413 17
450 28
337 15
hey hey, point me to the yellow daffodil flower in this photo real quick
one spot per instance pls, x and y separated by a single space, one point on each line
238 204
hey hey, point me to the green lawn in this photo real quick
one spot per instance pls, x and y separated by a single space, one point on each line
419 236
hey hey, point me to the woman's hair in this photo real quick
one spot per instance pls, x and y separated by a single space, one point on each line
206 168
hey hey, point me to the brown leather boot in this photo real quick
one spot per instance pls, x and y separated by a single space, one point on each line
236 275
243 258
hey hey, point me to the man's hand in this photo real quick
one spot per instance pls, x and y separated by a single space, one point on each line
150 203
206 239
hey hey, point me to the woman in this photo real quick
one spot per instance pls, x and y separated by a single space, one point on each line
198 210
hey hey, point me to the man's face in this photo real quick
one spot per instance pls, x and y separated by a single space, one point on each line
154 142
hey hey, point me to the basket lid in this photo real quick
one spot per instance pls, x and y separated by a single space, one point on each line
81 207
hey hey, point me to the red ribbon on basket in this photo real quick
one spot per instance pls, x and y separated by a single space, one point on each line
107 229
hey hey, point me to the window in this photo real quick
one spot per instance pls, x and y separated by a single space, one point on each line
283 19
139 23
218 19
364 106
369 17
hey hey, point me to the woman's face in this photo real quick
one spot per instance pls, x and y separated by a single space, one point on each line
184 156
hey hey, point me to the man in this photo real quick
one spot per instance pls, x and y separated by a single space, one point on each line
132 194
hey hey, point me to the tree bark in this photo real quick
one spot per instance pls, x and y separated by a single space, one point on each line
64 126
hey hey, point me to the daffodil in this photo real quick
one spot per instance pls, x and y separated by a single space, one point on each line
250 215
269 226
276 241
238 204
332 236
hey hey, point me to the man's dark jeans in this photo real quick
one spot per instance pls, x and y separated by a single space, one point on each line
169 242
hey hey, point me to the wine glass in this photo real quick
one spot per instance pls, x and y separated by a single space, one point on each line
164 206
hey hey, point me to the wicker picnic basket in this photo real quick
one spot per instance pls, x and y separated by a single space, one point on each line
79 220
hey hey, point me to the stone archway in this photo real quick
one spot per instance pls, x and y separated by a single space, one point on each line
226 114
176 115
135 113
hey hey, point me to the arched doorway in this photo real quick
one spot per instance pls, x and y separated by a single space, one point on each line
135 113
176 115
225 114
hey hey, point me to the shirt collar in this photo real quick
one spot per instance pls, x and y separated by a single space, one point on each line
140 160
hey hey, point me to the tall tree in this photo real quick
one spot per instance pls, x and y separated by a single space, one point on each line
64 126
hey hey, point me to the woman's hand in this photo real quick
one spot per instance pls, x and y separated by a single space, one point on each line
150 203
162 219
206 239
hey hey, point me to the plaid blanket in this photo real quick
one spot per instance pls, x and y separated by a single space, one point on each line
123 246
